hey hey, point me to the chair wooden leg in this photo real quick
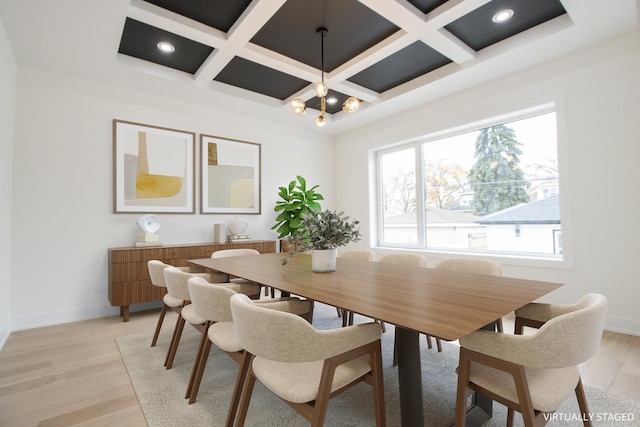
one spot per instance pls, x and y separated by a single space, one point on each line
438 343
159 324
246 396
324 394
510 414
464 370
582 403
395 353
243 369
524 396
198 366
378 387
174 343
173 338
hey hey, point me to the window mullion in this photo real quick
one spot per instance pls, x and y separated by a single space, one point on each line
420 197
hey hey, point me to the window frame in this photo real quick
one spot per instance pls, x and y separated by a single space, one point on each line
564 261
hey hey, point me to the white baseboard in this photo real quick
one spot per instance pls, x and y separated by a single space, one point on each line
5 331
50 318
623 325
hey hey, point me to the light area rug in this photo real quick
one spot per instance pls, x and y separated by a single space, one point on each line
161 391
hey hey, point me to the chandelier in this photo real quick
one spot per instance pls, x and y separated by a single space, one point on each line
321 90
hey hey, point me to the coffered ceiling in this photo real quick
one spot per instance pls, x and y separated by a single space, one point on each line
390 54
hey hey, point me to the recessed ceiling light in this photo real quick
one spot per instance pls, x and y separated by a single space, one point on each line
502 16
332 100
166 47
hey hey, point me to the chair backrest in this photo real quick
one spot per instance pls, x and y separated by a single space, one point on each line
572 338
364 255
210 301
156 272
234 252
176 281
272 334
472 266
414 260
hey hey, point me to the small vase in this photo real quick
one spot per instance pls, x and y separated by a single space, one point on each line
323 260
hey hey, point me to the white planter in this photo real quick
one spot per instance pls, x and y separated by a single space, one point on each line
323 260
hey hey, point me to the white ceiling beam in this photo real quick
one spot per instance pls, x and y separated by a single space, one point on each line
248 24
172 22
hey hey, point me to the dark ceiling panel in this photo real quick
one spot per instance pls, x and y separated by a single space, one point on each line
407 64
258 78
352 29
478 31
427 6
140 41
220 14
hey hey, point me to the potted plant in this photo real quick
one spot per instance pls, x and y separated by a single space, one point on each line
296 200
322 232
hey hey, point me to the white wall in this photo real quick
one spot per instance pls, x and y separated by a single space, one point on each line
7 113
63 187
599 94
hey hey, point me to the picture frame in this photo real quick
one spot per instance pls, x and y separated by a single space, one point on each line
153 169
230 176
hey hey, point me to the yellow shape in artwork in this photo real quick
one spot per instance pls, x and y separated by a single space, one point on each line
155 186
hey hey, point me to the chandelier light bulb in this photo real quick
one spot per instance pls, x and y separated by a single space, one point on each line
298 106
321 121
320 89
351 104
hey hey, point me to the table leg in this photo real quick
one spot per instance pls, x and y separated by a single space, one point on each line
410 384
409 377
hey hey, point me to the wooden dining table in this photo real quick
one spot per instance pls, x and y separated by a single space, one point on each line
416 300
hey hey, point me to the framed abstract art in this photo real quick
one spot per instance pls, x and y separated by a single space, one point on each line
154 169
230 176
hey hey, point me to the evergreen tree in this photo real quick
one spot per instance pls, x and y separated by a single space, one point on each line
496 179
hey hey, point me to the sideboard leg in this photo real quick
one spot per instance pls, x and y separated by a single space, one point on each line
124 312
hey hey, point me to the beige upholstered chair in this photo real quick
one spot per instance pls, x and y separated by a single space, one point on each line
211 302
536 314
156 273
177 286
470 266
361 254
364 255
303 366
404 259
226 253
532 374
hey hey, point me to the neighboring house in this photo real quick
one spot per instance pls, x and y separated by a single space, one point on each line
445 229
528 227
464 203
544 189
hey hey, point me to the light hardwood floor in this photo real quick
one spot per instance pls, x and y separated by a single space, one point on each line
72 374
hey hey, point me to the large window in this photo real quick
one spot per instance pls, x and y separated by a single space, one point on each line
493 189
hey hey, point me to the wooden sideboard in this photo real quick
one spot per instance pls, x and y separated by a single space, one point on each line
129 281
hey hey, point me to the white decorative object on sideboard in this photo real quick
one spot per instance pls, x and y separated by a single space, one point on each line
149 226
237 229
